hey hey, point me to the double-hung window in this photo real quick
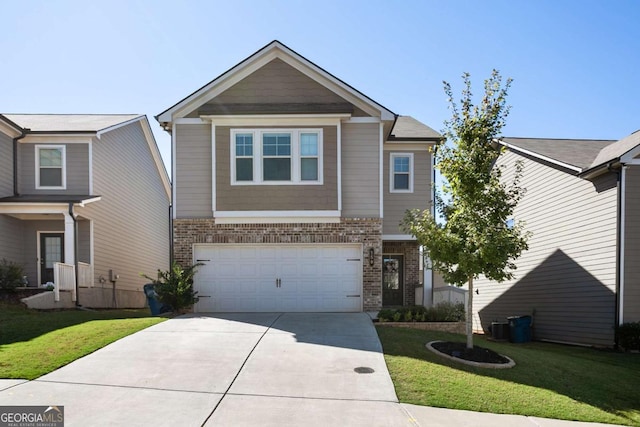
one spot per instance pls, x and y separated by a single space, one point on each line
50 167
401 173
276 156
244 156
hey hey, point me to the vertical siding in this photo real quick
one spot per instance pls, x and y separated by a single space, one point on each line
568 274
77 167
360 170
274 197
631 308
11 239
131 222
395 204
193 171
6 165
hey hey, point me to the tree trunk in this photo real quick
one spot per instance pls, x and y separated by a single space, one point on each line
469 320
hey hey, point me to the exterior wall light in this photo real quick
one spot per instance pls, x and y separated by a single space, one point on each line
372 253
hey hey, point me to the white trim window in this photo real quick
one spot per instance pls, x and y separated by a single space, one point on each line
276 157
401 173
51 168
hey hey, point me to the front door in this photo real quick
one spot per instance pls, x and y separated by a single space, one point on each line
51 250
392 280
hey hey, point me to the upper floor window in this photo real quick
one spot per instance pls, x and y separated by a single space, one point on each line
50 167
401 173
276 156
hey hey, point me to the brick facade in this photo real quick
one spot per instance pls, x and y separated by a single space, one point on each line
367 231
410 251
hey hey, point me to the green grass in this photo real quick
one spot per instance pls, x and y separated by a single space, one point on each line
549 380
34 343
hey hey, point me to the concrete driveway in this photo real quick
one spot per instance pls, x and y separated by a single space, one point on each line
235 369
241 370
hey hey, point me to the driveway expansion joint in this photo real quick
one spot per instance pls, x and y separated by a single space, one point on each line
241 367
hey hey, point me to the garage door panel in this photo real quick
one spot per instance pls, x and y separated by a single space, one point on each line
312 278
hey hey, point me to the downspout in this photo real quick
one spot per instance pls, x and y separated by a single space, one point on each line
619 272
75 252
15 160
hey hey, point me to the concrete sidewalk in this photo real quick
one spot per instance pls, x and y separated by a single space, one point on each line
267 369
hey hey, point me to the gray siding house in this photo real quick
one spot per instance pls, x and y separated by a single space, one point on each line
579 277
88 192
289 186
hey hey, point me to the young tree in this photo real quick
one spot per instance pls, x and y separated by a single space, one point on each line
477 236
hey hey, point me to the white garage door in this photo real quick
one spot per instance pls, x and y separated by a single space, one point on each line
267 278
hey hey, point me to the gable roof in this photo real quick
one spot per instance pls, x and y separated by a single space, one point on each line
617 150
574 154
69 123
97 124
586 157
263 56
408 128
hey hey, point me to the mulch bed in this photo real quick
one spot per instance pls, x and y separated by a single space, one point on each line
477 354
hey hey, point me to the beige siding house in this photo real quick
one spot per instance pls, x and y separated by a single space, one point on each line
579 277
289 189
83 197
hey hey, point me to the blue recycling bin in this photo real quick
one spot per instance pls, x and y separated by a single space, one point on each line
155 306
519 329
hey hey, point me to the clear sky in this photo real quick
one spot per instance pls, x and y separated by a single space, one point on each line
575 63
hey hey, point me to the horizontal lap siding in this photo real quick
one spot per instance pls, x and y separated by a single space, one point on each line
277 82
360 170
77 168
193 171
131 222
6 165
568 275
631 309
276 197
396 204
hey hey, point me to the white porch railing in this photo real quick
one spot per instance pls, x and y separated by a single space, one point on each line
64 279
452 294
85 279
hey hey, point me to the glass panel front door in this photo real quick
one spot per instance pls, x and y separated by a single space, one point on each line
51 251
392 280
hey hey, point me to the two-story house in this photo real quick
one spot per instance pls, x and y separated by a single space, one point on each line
289 188
87 193
580 277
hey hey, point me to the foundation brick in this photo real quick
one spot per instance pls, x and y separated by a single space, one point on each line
367 231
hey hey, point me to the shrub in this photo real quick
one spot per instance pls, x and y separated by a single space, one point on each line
175 287
10 275
629 335
443 312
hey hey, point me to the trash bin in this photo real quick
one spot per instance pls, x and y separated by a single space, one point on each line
499 331
155 306
519 329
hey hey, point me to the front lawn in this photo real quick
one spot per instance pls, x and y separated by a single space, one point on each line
33 343
549 380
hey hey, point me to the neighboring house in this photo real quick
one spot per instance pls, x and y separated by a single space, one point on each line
289 186
89 190
580 277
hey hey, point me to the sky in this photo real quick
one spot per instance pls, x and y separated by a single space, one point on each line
574 63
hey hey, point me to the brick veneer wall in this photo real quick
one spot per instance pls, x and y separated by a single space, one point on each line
411 256
367 231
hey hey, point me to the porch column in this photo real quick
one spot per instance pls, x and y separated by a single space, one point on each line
69 239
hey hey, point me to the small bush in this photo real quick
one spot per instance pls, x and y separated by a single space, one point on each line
10 275
175 287
629 335
443 312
